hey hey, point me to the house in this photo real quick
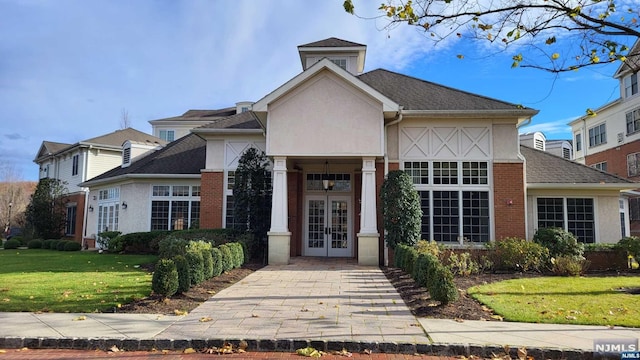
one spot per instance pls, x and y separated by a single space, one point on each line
538 140
75 163
610 139
333 132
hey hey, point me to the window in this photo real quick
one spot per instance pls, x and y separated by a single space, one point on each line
475 216
445 172
602 166
74 166
474 173
630 85
175 207
578 142
575 215
597 135
426 218
108 214
167 135
633 121
419 171
633 164
340 62
446 212
341 182
108 194
634 208
70 227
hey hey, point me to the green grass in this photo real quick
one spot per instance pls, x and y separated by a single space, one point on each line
46 280
564 300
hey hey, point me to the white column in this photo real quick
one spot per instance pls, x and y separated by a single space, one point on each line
279 235
368 236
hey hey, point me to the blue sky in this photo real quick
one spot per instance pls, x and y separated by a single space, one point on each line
69 67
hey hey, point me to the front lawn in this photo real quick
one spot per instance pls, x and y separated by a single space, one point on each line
564 300
55 281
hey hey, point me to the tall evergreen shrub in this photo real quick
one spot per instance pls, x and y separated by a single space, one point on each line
401 212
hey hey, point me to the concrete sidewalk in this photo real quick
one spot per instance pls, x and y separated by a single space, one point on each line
325 303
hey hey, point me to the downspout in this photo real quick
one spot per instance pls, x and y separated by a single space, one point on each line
397 120
526 205
86 197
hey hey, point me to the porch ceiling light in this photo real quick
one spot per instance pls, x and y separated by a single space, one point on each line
327 182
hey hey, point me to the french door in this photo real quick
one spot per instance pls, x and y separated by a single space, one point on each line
328 229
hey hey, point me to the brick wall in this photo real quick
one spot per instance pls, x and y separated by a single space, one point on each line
79 199
211 199
508 196
616 158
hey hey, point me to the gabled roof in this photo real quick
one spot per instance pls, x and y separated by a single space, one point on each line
331 42
632 63
118 137
196 115
243 121
113 140
545 170
48 148
420 95
388 105
185 156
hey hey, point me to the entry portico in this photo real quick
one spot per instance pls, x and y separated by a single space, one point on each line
325 123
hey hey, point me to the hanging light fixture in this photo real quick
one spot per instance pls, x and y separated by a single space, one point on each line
327 182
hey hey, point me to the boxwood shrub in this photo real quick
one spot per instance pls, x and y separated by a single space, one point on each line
164 281
61 244
12 244
216 254
35 244
227 257
72 246
184 277
196 266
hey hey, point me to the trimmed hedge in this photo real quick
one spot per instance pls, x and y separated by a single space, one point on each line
61 244
138 242
227 257
196 266
72 246
216 254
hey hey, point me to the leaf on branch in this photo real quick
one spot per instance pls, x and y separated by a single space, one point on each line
485 27
348 6
460 56
555 56
591 112
551 40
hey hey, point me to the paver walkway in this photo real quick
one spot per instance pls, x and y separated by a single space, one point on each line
311 298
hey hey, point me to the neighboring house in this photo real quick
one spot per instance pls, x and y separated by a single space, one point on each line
333 133
610 140
75 163
173 128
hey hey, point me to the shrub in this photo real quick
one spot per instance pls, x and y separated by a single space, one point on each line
401 212
22 240
196 266
463 264
205 250
443 288
630 244
421 267
237 255
227 257
139 242
53 245
410 257
569 266
217 261
398 255
184 279
72 246
12 244
517 254
559 242
105 240
171 245
61 244
165 278
47 244
35 244
431 247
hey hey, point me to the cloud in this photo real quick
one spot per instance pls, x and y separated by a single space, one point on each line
15 136
550 128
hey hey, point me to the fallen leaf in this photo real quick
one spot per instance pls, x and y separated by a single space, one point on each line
459 320
165 352
522 353
568 317
211 292
254 315
243 345
205 319
308 352
304 310
497 317
188 351
366 351
180 312
80 318
343 352
114 349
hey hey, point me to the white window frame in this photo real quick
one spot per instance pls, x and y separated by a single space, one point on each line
630 85
75 165
602 166
578 141
633 164
565 212
172 193
600 138
164 135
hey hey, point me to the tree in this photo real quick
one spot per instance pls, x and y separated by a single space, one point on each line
252 193
125 122
551 35
14 196
46 214
401 212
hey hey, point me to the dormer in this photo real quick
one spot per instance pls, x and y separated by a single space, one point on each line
243 106
133 149
627 73
535 140
346 54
